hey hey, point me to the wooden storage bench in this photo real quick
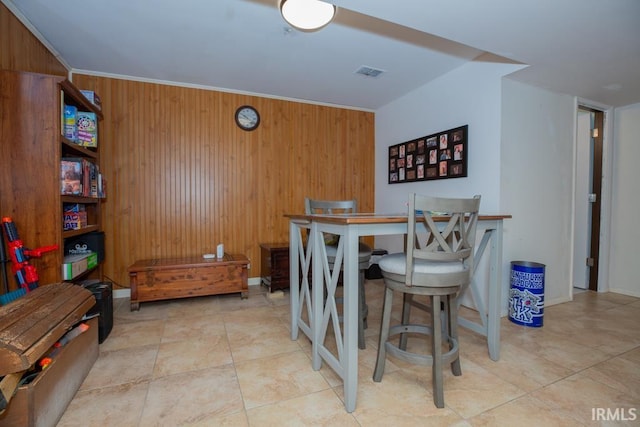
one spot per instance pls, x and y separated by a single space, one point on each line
29 326
169 278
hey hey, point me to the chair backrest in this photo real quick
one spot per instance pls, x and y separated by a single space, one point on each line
312 206
449 240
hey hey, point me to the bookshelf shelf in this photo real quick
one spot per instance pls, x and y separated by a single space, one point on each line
81 231
71 149
80 199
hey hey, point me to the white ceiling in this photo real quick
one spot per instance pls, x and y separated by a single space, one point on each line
586 48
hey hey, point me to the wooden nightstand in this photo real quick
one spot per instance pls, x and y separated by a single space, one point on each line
274 265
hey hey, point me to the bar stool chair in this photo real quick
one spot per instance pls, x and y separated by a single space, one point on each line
437 263
364 254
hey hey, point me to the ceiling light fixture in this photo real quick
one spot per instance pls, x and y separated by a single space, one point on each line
307 15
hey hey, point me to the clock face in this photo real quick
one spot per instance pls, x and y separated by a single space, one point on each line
247 117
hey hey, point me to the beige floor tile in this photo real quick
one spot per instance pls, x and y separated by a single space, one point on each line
193 397
194 307
134 334
603 335
400 399
250 318
276 378
198 327
128 365
633 355
476 390
191 355
595 297
557 348
316 409
220 360
117 406
523 369
579 395
621 373
154 310
260 341
524 411
238 419
233 302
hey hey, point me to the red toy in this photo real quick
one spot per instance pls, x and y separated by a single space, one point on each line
25 274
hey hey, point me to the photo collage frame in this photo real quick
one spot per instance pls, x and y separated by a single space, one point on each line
441 155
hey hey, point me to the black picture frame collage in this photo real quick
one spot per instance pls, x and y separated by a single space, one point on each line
440 155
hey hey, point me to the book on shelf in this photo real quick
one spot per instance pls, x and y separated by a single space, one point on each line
70 127
92 180
71 176
79 177
92 97
74 216
87 125
102 186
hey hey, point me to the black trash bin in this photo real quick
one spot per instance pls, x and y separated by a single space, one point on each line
526 295
374 272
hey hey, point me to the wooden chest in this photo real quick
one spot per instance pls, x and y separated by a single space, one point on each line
274 265
29 327
169 278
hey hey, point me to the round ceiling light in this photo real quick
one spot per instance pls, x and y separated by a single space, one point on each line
307 15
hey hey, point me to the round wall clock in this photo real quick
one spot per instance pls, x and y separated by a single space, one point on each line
247 118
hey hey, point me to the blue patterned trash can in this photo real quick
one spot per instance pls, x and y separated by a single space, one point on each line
526 296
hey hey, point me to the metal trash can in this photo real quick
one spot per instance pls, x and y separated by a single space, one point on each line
526 295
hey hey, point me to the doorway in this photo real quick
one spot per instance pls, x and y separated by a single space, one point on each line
587 197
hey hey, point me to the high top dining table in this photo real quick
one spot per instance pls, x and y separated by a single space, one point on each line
313 307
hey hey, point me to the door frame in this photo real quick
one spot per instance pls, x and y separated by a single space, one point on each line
600 272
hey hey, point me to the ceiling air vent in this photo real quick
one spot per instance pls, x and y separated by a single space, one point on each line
369 71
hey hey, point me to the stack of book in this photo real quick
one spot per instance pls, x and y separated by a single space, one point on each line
80 177
80 127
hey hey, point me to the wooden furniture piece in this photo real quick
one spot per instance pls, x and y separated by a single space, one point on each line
30 176
305 298
169 278
437 264
29 326
274 265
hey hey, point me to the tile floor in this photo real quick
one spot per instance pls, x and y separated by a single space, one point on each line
222 361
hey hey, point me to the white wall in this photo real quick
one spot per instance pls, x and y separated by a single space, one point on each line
469 95
537 181
522 149
625 231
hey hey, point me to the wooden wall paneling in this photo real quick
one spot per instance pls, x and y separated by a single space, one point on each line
182 177
20 50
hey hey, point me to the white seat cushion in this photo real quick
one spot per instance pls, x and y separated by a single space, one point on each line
397 264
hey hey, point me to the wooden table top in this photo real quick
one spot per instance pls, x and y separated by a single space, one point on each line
374 218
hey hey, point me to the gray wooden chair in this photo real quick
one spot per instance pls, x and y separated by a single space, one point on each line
364 253
438 264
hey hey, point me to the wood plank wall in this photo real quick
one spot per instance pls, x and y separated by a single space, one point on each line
183 178
20 50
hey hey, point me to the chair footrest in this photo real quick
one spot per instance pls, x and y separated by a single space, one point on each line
419 359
